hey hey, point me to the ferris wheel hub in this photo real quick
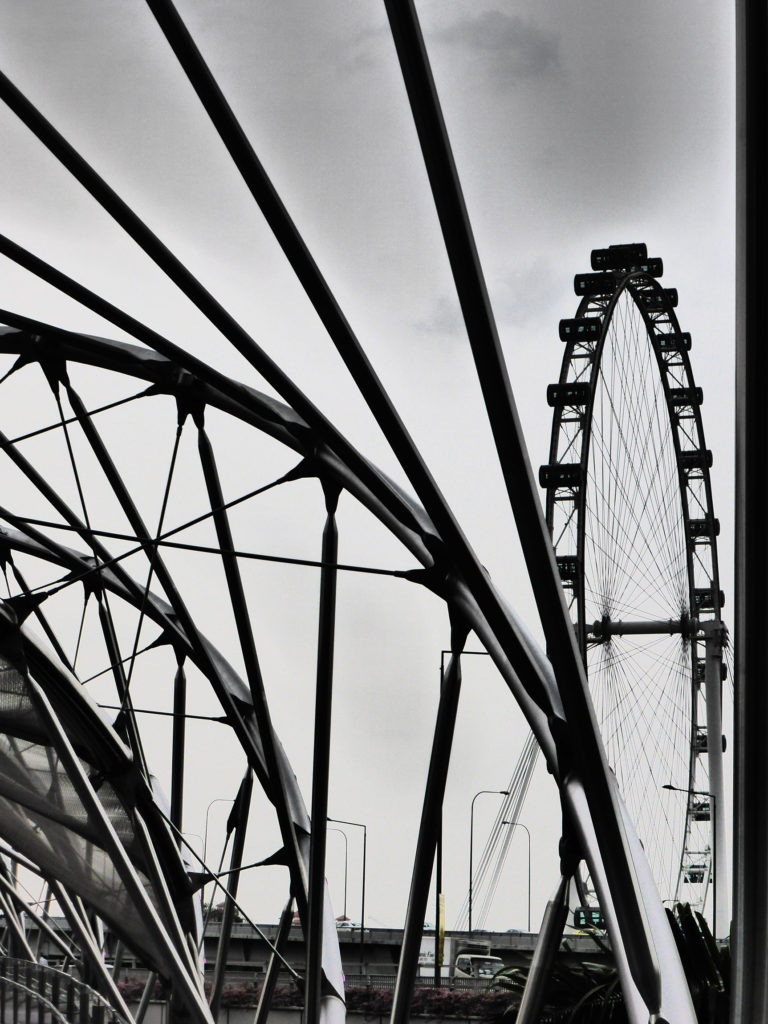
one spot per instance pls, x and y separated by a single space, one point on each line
606 627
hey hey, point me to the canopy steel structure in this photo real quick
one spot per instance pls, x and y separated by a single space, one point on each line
119 572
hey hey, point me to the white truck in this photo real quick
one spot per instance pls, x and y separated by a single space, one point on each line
461 958
477 965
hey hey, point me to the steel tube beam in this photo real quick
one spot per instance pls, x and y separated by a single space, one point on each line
121 683
91 953
749 999
167 910
370 387
137 595
439 901
42 925
273 967
17 939
321 758
547 945
588 755
252 668
243 804
146 997
178 746
428 831
53 640
178 273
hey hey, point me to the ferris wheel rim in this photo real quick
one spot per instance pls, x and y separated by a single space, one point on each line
635 283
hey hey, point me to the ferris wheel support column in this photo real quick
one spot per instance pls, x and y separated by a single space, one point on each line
714 634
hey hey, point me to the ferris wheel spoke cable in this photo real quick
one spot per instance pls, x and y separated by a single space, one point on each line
631 569
667 694
657 751
613 510
511 809
624 456
511 806
504 837
627 562
613 465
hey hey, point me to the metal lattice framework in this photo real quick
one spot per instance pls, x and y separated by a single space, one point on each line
99 783
629 504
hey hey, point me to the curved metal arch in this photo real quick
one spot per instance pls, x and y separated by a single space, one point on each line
459 596
676 1000
124 821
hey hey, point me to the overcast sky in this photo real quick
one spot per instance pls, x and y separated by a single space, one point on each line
574 126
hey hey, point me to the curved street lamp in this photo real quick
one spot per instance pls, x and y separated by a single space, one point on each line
500 792
358 824
346 864
216 800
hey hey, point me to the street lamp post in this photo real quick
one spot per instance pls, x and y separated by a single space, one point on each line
519 824
713 798
217 800
500 792
358 824
346 864
439 902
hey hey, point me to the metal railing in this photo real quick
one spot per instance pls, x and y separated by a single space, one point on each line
386 982
33 993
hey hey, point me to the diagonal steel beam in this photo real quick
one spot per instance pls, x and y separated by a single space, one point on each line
340 331
42 925
164 577
429 825
371 389
90 952
586 755
274 964
121 684
242 806
242 618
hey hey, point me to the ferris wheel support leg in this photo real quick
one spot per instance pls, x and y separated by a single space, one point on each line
714 632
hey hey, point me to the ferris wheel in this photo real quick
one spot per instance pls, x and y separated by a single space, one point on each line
629 507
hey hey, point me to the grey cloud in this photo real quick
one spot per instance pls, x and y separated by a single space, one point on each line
444 319
516 48
517 299
520 297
